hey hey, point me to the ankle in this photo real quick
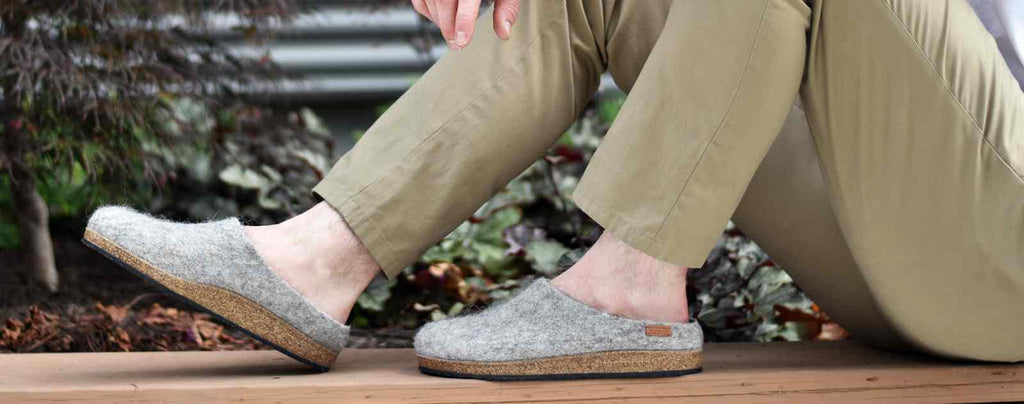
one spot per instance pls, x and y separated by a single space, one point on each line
317 254
615 278
640 301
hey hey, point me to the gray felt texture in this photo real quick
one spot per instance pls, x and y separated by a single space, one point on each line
216 253
541 322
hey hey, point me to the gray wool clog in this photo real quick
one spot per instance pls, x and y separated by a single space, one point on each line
214 266
544 334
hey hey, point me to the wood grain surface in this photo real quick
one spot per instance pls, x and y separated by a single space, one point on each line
735 372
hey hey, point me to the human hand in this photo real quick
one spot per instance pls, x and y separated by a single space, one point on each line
457 18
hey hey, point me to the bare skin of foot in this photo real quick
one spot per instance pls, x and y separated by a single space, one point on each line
318 254
616 278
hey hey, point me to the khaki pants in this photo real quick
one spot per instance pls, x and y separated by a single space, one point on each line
899 209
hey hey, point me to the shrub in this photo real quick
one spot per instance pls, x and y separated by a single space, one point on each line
82 81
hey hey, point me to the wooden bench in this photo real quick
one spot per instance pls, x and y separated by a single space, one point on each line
737 372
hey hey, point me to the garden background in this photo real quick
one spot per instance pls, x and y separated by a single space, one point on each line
196 111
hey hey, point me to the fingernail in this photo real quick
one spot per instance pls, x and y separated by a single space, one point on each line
460 39
508 29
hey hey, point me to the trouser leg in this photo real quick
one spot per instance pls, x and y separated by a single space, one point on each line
478 118
703 111
920 129
786 210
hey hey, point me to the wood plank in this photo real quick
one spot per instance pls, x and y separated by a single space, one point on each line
737 372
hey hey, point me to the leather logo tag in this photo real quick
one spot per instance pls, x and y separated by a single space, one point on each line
658 330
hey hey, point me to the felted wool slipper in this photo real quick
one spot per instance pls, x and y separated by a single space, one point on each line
544 334
214 267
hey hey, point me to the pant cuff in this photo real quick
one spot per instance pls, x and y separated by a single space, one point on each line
690 255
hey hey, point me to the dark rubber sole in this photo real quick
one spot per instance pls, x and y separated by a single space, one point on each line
198 306
569 376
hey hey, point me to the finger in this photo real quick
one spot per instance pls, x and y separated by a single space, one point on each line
421 7
432 10
444 17
505 14
465 21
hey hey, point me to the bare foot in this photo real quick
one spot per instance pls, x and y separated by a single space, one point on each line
616 278
318 254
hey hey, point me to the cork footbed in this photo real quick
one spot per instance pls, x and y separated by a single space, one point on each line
609 364
235 309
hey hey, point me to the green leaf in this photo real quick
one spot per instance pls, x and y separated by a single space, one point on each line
571 258
768 278
244 178
544 254
493 259
437 253
780 295
608 108
361 322
376 294
566 139
456 309
490 231
357 134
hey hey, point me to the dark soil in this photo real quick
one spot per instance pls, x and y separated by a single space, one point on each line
85 278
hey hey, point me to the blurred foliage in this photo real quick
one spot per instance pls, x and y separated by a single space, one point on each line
85 87
70 195
740 294
225 166
82 80
258 163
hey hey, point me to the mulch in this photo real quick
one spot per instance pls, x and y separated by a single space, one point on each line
103 308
